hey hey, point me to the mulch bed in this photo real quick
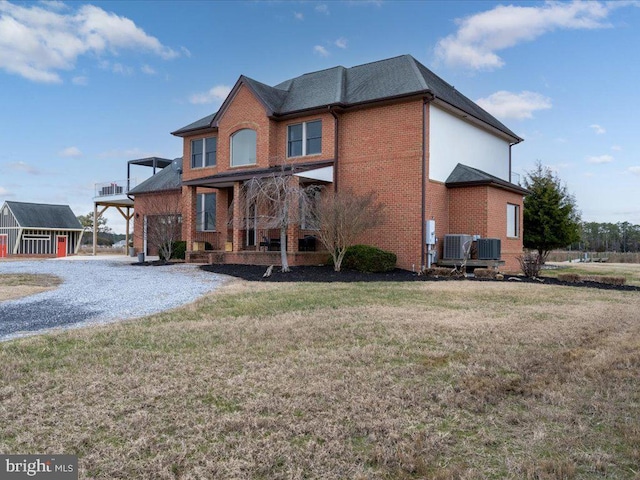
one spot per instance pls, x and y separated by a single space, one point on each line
325 274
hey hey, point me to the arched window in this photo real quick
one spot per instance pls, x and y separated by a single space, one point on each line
243 147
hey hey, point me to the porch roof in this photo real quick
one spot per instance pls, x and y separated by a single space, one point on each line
465 176
227 179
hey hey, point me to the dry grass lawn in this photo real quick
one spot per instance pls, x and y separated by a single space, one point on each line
434 380
17 285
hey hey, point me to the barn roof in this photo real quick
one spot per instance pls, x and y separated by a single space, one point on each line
42 215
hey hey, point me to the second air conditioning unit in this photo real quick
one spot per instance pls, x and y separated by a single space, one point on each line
489 249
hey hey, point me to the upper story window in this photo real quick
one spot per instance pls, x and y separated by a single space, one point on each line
304 139
243 148
203 152
513 220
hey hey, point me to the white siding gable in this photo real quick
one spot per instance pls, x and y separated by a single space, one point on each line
453 140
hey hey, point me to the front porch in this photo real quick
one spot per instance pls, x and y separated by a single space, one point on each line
225 224
247 257
256 247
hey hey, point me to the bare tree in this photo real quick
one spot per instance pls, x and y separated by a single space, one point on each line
342 217
277 201
164 225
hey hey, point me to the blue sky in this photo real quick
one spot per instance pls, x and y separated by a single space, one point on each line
87 86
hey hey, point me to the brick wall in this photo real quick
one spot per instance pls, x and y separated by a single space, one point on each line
381 151
482 210
152 204
468 210
437 208
497 200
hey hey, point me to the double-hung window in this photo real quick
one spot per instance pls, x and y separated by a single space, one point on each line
513 220
203 152
304 139
206 212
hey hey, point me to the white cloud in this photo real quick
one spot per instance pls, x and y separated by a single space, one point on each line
341 42
214 94
298 15
320 50
634 170
186 52
70 152
597 129
23 167
322 8
521 105
616 148
80 80
53 5
600 159
148 70
479 37
4 192
37 41
121 69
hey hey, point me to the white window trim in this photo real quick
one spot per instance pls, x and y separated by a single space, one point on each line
201 212
304 139
516 219
255 160
204 152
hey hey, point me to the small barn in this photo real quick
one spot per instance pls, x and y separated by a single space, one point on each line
38 229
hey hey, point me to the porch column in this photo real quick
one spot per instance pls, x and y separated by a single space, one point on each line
95 228
237 217
189 215
293 229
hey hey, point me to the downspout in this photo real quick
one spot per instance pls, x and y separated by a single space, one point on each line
423 226
510 174
335 149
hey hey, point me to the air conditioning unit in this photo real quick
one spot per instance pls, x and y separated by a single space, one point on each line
456 246
489 249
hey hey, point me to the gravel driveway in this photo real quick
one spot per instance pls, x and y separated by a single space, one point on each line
99 291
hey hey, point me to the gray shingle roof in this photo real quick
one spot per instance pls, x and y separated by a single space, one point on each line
339 86
464 176
40 215
169 178
204 122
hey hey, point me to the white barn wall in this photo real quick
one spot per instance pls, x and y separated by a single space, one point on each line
453 140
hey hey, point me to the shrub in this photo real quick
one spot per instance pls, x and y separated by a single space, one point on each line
606 279
366 258
485 273
612 280
530 264
178 250
438 272
569 277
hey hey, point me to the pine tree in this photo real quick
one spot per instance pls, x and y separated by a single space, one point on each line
551 218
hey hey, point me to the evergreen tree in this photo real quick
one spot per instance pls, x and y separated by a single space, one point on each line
551 218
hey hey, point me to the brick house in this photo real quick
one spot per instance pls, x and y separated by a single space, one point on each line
391 126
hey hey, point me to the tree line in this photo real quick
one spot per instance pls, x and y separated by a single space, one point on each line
552 220
608 237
